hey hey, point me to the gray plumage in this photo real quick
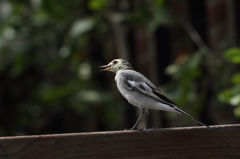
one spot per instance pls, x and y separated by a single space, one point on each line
140 91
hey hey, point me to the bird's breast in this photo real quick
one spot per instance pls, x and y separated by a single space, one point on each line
124 90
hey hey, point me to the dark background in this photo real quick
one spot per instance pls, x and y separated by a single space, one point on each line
51 50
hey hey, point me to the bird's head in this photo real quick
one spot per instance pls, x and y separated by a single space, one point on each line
116 65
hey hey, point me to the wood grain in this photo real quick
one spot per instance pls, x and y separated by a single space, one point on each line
177 143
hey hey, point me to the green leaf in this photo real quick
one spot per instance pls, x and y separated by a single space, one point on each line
236 78
233 55
97 5
159 3
230 96
237 111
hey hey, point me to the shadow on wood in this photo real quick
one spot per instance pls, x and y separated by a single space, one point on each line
191 142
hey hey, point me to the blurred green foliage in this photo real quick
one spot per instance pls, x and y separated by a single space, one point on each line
199 75
185 74
97 5
233 55
153 15
49 67
232 95
50 53
186 79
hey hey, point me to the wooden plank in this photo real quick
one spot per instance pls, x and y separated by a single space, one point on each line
190 142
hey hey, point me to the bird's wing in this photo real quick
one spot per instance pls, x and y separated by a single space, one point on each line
140 83
137 82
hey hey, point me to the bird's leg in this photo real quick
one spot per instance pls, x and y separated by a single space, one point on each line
142 112
147 119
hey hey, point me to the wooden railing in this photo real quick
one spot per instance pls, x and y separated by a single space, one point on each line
177 143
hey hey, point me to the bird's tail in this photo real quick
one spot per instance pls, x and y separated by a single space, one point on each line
189 116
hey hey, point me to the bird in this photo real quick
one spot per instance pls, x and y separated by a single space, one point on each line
139 91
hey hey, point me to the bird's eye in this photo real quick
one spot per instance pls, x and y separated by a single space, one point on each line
114 62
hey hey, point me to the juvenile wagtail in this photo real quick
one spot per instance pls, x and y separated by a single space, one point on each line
140 91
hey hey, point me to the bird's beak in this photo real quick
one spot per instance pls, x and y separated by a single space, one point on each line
105 67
